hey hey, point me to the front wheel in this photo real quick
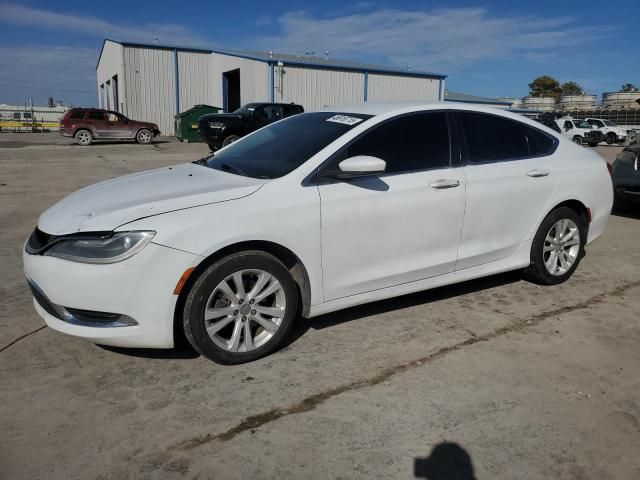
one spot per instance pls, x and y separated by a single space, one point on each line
144 136
611 138
577 139
557 247
241 308
229 140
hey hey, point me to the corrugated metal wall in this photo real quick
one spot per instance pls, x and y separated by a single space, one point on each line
195 77
390 87
316 88
254 78
151 88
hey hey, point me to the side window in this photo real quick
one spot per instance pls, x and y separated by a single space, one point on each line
291 110
16 115
539 142
493 139
568 125
26 115
77 115
415 142
113 117
271 112
96 115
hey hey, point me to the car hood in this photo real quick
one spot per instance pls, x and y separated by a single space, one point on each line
109 204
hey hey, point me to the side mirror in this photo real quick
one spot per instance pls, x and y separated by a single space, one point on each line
360 166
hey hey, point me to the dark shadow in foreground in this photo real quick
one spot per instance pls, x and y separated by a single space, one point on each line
448 461
180 352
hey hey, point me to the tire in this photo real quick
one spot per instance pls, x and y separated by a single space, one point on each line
212 148
538 272
229 140
577 139
83 137
239 312
144 136
611 138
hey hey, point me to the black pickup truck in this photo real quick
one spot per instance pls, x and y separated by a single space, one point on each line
220 129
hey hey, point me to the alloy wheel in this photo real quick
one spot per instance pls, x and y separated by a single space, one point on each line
561 247
245 310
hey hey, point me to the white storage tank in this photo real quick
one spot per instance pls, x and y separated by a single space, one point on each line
615 100
545 104
578 102
515 102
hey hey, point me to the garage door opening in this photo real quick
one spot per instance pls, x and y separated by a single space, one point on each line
231 90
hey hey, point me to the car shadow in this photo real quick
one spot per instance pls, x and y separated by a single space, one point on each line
626 214
98 143
447 461
180 352
303 325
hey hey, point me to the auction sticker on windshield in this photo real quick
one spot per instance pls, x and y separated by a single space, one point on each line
344 119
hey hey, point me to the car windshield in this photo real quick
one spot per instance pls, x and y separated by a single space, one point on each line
582 124
248 108
283 146
609 123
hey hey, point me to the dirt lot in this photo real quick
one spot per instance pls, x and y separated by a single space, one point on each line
499 378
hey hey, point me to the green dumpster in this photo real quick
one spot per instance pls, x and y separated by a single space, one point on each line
187 122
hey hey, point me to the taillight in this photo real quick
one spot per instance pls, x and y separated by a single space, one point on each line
610 168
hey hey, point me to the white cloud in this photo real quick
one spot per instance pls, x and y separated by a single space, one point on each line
92 26
444 39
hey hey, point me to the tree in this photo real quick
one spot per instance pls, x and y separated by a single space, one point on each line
571 88
629 87
545 86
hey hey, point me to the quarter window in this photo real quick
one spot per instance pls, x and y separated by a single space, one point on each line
539 142
416 142
77 115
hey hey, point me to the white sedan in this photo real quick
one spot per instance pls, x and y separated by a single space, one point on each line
309 215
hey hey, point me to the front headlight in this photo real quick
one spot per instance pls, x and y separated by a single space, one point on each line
118 247
216 125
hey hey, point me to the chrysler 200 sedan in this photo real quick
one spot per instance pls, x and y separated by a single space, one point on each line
309 215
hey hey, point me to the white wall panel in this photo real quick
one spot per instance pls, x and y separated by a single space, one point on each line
390 87
314 89
195 79
151 89
254 78
110 64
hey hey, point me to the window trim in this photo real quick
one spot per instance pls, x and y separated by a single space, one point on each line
321 174
464 146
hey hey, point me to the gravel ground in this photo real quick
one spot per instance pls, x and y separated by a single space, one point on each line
490 379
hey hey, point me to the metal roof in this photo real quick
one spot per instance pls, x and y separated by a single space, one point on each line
300 60
450 96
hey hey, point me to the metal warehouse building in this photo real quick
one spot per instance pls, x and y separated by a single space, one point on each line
154 82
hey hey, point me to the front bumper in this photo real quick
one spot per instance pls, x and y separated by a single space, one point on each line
138 291
210 136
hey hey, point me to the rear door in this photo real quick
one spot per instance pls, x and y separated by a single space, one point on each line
401 226
510 180
98 124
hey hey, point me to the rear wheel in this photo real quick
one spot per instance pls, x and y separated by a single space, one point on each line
144 136
241 308
229 140
557 247
83 137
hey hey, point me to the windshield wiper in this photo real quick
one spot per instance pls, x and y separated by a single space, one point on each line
225 167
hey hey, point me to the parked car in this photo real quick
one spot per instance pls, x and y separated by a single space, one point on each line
579 131
626 178
612 132
221 129
89 124
315 213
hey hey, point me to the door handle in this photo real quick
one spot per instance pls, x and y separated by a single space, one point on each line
445 183
538 173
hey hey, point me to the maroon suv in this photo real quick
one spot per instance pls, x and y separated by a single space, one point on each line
89 124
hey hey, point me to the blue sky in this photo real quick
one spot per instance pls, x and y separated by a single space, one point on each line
492 48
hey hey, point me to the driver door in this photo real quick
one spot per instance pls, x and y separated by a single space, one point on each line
398 227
